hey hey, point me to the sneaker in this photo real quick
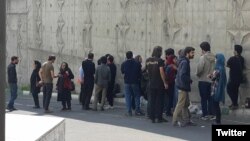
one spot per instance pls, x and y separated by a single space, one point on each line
204 118
63 109
139 113
212 117
179 124
161 120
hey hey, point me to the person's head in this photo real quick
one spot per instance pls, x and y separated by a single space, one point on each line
64 66
157 52
104 60
129 55
172 59
107 55
238 49
91 56
220 60
138 58
14 60
36 65
205 47
169 52
52 58
189 52
110 59
181 53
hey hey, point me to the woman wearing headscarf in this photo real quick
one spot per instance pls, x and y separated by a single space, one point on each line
64 86
219 80
34 83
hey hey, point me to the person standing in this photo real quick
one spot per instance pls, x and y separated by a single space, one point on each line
131 70
35 87
157 84
236 66
102 79
205 67
110 94
12 80
219 80
81 81
64 86
181 116
89 70
47 74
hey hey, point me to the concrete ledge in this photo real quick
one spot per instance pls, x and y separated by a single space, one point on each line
34 128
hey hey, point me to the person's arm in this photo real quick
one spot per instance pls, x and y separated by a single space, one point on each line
229 62
96 75
163 77
40 74
184 73
200 66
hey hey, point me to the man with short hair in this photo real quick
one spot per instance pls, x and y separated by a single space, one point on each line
89 70
12 80
102 79
132 71
204 68
47 74
236 64
181 116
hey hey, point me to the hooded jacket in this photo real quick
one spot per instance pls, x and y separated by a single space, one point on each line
183 79
205 66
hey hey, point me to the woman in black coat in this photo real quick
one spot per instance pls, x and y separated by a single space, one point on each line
34 80
64 86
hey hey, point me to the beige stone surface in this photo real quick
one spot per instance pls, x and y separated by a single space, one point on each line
72 28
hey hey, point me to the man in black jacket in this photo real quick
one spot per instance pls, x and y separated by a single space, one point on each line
12 80
181 116
89 70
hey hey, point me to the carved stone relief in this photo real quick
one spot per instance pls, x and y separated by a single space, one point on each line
60 24
87 28
38 23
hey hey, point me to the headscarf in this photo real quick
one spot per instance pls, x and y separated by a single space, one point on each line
170 59
220 66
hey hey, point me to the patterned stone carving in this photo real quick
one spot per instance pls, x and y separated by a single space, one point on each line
170 26
60 25
87 29
38 23
123 28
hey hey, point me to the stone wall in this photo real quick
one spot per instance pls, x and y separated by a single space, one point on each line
72 28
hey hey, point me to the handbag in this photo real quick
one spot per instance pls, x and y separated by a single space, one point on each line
72 86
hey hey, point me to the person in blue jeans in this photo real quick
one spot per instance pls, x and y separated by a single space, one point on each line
12 80
132 74
205 67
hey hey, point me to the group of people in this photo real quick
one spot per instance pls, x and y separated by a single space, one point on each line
164 83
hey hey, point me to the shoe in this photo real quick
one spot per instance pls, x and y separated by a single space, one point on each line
9 109
164 120
234 107
204 118
191 123
139 113
212 117
63 109
179 124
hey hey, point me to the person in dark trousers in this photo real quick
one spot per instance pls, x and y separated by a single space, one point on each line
171 71
219 80
64 86
110 93
131 70
12 80
236 66
47 75
35 87
102 79
157 84
205 67
181 116
89 70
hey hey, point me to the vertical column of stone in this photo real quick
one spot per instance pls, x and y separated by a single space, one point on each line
60 25
87 30
38 23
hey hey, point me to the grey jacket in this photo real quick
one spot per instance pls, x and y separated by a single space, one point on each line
205 66
102 76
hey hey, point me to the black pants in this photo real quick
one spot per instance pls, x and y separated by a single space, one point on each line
47 92
233 92
216 110
36 98
206 100
81 94
66 104
87 94
156 105
110 95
